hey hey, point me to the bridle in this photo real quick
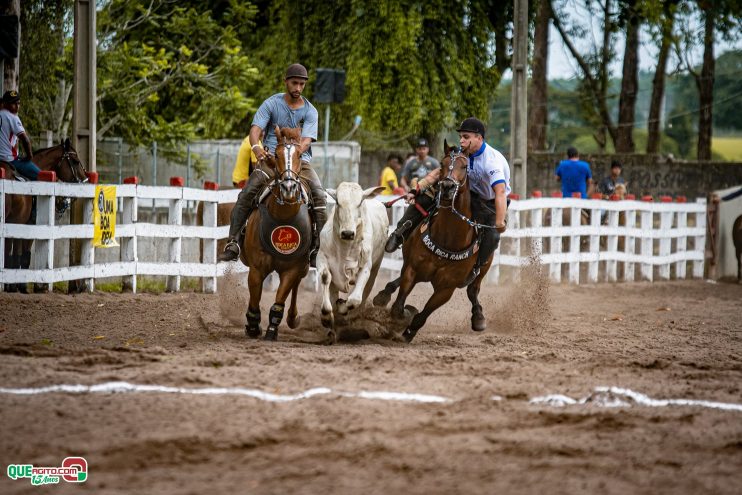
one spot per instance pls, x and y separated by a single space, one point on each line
67 158
455 154
287 176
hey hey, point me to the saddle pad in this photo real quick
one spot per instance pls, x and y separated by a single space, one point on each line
286 240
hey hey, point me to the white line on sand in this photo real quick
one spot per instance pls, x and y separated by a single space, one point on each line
623 397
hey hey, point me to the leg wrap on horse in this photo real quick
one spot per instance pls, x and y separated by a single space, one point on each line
253 323
246 202
276 315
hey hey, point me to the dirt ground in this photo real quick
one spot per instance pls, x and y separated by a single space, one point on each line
673 340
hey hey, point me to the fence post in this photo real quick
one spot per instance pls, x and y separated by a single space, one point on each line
129 244
574 246
175 217
218 167
120 158
700 240
154 177
48 138
647 269
629 246
665 241
555 242
43 249
682 243
594 265
537 222
612 247
208 284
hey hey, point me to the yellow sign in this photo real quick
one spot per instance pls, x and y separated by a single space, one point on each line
104 217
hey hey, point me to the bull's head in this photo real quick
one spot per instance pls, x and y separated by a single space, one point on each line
349 198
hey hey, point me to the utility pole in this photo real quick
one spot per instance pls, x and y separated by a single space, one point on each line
518 104
83 117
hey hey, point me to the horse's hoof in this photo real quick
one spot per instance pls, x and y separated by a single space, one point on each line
253 333
478 322
271 334
293 322
410 311
398 314
327 321
382 299
331 338
409 334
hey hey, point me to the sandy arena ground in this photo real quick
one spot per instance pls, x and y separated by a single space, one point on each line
674 340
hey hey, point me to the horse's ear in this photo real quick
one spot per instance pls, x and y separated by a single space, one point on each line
332 193
277 131
446 149
67 144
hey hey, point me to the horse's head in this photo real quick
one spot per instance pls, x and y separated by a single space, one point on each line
288 164
453 173
63 160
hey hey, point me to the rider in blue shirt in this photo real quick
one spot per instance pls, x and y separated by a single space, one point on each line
574 174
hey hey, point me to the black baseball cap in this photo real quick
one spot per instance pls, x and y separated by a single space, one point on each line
296 70
472 124
422 142
616 163
11 96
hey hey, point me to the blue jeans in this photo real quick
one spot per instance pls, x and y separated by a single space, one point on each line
26 168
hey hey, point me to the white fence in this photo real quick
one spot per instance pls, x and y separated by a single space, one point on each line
623 240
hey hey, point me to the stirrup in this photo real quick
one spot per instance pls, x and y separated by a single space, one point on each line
231 251
473 274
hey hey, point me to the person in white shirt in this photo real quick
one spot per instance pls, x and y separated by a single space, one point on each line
11 133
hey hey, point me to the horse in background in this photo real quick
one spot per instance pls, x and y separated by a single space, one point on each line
278 238
63 160
442 251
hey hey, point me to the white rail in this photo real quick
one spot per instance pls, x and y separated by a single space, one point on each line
659 239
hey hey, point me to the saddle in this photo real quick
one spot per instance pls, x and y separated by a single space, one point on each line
286 240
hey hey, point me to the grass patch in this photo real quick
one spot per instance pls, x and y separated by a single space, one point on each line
730 148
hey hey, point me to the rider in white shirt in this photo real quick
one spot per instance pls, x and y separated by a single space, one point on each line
489 174
12 132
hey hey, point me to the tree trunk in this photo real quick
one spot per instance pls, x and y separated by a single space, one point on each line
629 83
658 83
11 69
538 115
705 85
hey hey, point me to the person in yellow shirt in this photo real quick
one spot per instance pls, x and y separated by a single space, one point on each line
245 163
389 174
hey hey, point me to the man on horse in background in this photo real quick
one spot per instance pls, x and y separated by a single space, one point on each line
289 109
12 131
489 176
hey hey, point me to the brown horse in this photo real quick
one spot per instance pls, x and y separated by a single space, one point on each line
63 160
443 256
278 238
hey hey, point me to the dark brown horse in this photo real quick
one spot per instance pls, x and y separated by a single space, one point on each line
282 221
63 160
442 251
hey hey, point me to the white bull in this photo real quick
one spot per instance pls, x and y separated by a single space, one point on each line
351 248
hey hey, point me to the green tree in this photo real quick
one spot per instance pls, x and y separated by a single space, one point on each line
171 71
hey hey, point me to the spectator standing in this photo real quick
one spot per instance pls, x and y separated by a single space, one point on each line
418 167
389 174
608 185
574 174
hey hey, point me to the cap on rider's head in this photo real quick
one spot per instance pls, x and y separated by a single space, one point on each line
422 143
11 96
296 70
472 124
